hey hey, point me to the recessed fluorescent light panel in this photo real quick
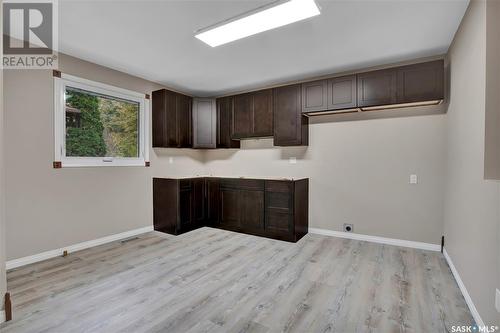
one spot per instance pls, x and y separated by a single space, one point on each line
262 19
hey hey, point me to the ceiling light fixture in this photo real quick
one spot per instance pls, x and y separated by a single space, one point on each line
261 19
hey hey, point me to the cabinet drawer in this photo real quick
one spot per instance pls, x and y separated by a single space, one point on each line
185 184
279 186
278 200
241 183
278 220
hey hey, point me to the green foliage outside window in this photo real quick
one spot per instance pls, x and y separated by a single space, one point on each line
107 127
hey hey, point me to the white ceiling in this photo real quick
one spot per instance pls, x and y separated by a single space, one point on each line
155 40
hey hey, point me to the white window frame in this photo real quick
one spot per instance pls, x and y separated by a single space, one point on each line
60 84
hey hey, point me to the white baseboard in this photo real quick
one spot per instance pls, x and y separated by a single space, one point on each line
75 247
2 316
377 239
461 285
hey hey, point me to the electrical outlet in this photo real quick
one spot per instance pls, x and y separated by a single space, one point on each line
292 160
348 227
497 300
170 160
413 179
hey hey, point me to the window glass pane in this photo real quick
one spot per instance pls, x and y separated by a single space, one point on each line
100 125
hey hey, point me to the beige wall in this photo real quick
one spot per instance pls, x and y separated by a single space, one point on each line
50 208
492 137
359 173
471 216
3 280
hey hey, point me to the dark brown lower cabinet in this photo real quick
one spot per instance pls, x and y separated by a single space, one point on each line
212 189
178 204
270 208
229 208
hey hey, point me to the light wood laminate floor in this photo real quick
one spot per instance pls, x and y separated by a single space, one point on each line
212 280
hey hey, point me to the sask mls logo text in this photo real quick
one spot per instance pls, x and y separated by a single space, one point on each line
30 34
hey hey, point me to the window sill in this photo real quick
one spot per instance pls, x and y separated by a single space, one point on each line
94 163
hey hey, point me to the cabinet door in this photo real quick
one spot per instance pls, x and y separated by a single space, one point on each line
377 88
165 193
159 118
342 93
224 123
242 116
164 119
198 201
229 208
252 210
185 209
262 113
212 199
421 82
204 123
290 126
184 117
279 207
314 96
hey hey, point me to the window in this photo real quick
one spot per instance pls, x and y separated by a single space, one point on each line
98 124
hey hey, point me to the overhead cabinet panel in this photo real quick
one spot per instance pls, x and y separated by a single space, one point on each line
253 114
342 93
421 82
224 123
417 83
159 119
242 116
204 123
184 121
314 96
262 113
290 126
377 88
171 115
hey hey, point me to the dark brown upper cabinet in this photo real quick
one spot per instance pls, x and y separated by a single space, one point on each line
252 115
314 96
421 82
224 123
242 116
204 123
262 113
282 112
290 126
184 120
336 94
171 116
417 83
377 88
342 93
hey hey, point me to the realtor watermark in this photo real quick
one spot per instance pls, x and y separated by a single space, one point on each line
30 38
475 329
